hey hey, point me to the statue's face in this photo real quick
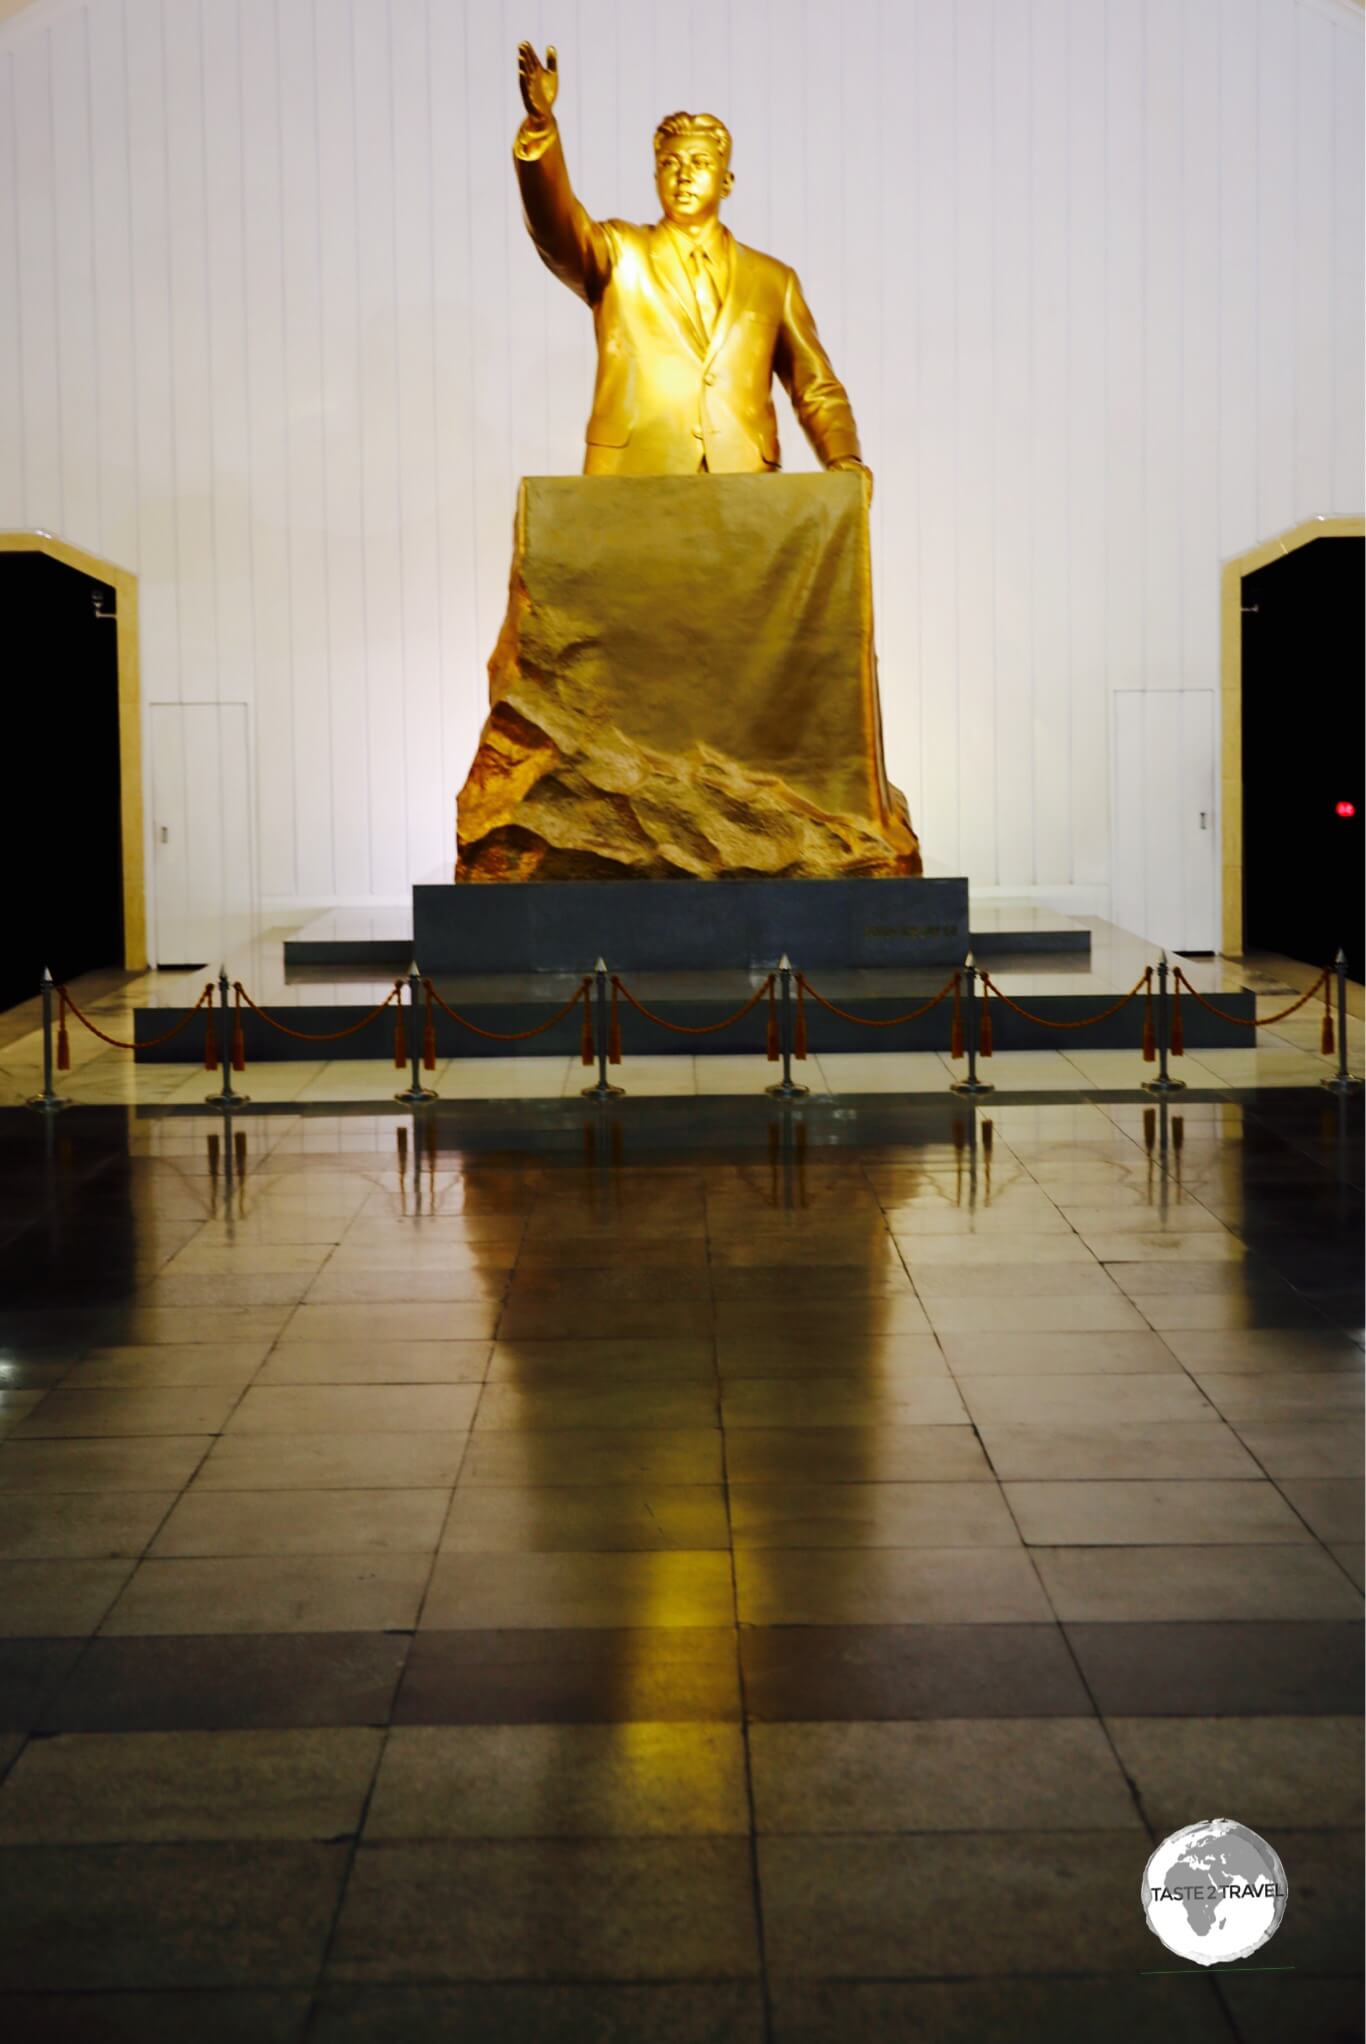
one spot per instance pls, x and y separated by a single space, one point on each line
691 180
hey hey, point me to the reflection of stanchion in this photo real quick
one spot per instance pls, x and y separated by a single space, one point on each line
225 1097
49 1101
416 1094
1342 1080
1164 1082
603 1090
972 1084
786 1088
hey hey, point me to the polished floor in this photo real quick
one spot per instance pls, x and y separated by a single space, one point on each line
696 1574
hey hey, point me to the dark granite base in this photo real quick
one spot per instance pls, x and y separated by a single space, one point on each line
689 925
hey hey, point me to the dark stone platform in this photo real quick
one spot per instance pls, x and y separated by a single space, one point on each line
688 925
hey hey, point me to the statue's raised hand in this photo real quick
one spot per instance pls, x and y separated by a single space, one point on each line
539 82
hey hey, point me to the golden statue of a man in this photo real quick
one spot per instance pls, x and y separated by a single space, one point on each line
692 326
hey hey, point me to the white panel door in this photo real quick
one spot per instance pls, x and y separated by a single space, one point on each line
1163 858
201 832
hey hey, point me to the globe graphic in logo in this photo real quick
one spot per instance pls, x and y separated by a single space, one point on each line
1214 1892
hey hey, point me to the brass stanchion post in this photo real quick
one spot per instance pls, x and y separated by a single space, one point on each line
787 1087
416 1094
49 1101
225 1097
1164 1082
1342 1080
972 1084
603 1090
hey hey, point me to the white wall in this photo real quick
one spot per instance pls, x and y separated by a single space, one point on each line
271 334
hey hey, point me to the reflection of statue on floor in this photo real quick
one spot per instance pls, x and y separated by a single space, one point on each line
685 682
692 326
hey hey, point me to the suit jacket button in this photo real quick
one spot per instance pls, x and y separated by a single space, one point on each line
710 376
697 433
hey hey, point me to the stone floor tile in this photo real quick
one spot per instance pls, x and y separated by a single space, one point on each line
31 1672
470 1320
69 1411
980 1312
594 1456
1138 1513
519 1590
591 1518
983 1904
279 1522
1011 2011
144 1463
94 1524
566 1909
111 1788
871 1360
975 1774
1046 1400
571 1362
150 1916
376 1362
1138 1584
872 1672
347 1461
224 2016
558 1781
508 1407
1301 1447
870 1515
1265 1396
169 1367
563 1675
1221 1668
297 1593
1302 1772
58 1599
1241 1349
234 1680
1313 2011
1173 1450
840 1402
523 2012
292 1409
900 1454
887 1586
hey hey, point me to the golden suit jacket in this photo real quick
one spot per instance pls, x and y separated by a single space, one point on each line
666 395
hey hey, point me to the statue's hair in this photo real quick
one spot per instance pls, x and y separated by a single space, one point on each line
709 125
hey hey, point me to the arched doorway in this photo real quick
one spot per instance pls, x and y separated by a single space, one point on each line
73 824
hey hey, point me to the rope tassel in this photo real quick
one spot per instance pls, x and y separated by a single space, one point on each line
1149 1033
984 1038
772 1038
799 1030
1327 1044
614 1031
956 1025
1177 1046
63 1040
586 1034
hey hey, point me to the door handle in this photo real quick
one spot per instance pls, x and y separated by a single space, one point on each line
1204 822
165 834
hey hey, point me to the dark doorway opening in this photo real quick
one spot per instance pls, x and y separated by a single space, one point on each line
1304 734
62 841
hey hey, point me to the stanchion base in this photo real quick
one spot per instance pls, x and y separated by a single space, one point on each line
1163 1085
1339 1083
601 1092
415 1096
48 1103
971 1086
228 1099
787 1089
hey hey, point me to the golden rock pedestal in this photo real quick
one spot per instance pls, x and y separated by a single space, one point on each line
685 686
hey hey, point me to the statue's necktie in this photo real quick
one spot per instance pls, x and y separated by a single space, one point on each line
704 288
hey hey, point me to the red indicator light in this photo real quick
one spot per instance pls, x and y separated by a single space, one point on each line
1344 808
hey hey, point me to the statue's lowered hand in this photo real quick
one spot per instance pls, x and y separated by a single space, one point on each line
539 82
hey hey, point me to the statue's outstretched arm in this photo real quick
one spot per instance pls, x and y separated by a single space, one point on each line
818 397
568 242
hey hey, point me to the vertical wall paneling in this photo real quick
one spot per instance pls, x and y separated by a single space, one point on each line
272 336
1346 300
